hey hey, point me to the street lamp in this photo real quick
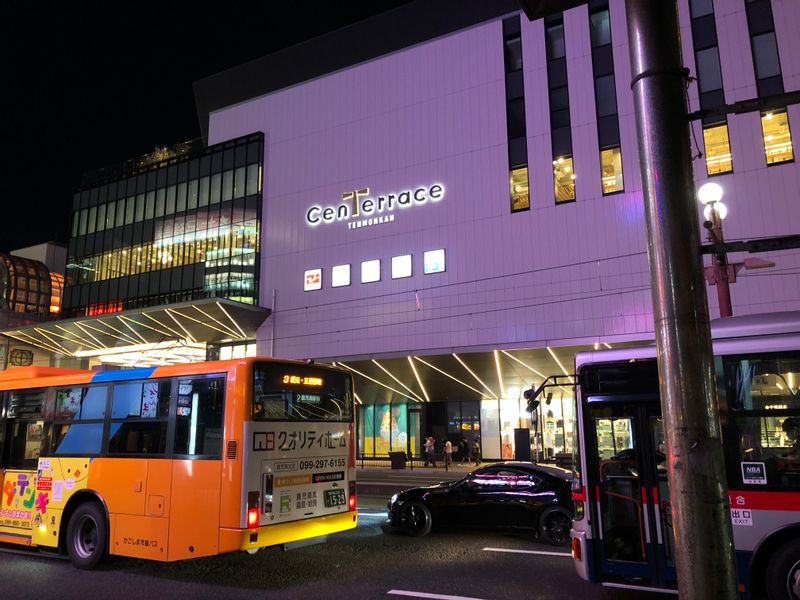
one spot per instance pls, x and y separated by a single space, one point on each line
719 274
722 273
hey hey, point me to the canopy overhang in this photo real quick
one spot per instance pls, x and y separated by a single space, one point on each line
191 324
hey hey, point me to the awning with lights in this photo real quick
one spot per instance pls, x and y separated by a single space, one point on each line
181 330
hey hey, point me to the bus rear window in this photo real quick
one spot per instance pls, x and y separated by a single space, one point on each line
300 393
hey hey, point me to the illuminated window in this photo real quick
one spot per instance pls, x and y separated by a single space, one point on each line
370 271
401 266
340 276
777 137
718 149
520 200
611 169
564 178
433 261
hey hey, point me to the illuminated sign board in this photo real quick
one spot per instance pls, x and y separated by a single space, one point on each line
313 280
303 380
359 209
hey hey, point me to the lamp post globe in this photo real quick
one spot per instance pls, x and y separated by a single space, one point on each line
709 193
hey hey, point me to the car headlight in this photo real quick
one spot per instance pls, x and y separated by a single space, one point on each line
393 499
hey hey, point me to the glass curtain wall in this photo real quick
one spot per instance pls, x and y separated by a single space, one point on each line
199 210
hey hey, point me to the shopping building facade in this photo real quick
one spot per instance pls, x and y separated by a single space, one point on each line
480 192
448 203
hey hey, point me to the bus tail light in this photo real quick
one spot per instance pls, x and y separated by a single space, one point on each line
252 517
252 509
351 501
576 549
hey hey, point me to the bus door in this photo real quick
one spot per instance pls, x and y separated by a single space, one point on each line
628 486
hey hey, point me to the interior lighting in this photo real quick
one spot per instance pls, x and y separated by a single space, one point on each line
527 366
385 370
499 373
419 381
558 362
372 379
479 380
453 378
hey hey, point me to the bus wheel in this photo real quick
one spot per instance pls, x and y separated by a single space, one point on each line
86 536
783 572
416 519
554 526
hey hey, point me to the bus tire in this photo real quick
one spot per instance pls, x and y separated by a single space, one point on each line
783 572
554 526
87 533
416 519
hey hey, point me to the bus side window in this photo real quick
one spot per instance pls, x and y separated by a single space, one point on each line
199 417
23 437
139 413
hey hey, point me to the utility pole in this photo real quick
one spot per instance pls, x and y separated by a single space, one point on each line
719 264
698 490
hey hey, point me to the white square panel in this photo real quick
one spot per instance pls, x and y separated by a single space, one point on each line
340 276
434 261
313 280
370 271
401 266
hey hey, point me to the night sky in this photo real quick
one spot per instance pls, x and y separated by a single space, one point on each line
89 85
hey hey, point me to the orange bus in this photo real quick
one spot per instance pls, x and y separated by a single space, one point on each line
176 462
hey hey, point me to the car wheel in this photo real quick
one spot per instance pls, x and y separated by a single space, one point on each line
554 526
783 572
86 536
416 519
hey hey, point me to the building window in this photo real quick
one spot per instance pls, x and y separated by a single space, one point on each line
718 149
560 129
401 266
564 179
605 95
434 261
516 131
777 137
611 168
370 271
340 276
520 200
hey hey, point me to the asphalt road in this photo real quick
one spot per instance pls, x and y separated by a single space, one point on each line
364 563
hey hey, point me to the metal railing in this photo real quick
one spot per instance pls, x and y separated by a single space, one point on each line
410 461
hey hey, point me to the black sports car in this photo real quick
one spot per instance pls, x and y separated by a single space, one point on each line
507 495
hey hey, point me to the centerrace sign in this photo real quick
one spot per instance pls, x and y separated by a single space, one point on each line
358 209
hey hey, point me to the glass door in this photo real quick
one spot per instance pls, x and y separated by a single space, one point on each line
628 483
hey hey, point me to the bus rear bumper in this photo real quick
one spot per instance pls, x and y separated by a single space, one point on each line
231 540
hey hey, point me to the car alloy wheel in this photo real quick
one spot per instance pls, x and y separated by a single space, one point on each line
554 526
416 519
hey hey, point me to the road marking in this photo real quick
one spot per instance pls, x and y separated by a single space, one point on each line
544 552
427 595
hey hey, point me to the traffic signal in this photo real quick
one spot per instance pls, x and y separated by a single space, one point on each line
532 403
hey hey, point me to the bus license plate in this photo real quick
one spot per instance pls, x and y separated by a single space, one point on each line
334 498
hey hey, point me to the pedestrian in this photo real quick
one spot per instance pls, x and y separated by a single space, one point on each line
466 455
448 453
429 451
476 452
